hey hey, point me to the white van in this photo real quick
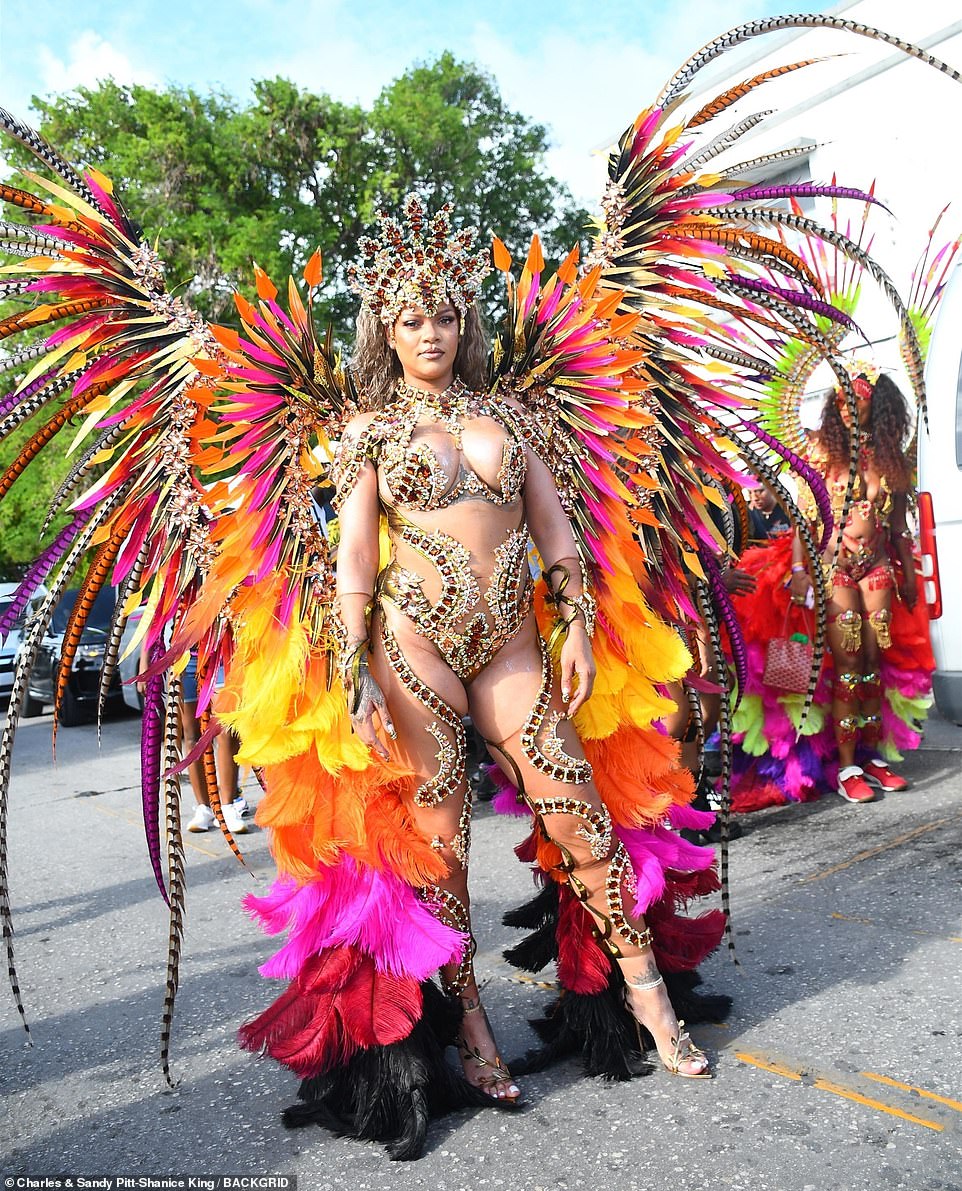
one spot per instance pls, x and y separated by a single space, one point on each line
940 488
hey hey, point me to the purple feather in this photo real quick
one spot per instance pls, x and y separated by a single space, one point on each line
806 190
808 474
38 572
12 400
724 604
796 298
150 741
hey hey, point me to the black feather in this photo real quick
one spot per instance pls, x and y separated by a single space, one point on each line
390 1093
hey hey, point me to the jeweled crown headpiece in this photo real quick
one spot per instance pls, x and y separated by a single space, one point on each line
422 265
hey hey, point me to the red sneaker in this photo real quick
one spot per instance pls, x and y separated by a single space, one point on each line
877 773
852 785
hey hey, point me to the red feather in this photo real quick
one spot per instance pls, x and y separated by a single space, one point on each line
583 966
527 850
339 1004
682 943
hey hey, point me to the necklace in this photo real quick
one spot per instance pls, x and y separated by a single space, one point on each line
448 407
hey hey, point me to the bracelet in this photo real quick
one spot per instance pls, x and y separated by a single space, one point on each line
798 567
349 665
584 603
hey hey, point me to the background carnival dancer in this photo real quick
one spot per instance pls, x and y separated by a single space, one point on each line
610 392
786 750
867 559
875 684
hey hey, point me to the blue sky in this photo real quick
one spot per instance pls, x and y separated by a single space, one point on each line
582 69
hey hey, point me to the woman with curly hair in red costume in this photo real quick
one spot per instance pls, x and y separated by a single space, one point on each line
868 558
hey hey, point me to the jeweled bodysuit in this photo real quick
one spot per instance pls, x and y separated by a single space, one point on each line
451 471
424 469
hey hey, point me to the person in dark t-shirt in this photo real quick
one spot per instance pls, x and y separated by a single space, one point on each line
766 516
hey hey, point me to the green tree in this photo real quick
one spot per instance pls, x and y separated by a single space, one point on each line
213 186
216 185
447 133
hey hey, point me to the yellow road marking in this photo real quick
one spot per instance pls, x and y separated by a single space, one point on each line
908 1087
852 918
837 1089
870 852
825 1085
768 1065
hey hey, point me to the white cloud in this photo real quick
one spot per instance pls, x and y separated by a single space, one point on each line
89 59
328 54
585 92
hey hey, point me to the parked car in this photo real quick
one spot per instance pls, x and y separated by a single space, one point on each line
79 700
8 650
130 664
10 647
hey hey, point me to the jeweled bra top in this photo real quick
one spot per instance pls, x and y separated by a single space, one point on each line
421 478
878 509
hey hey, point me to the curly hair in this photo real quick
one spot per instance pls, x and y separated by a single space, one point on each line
888 426
377 370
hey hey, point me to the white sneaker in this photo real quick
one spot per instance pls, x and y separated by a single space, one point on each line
203 819
241 805
235 824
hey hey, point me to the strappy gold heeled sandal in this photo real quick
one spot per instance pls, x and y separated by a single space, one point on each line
683 1049
498 1072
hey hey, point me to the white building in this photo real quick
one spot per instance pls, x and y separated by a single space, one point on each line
867 112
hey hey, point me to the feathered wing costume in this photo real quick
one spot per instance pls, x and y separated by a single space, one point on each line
207 445
783 754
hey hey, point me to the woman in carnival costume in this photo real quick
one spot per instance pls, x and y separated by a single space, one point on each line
868 558
875 686
608 397
447 627
867 705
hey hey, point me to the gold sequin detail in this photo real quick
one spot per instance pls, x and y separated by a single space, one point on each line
451 910
414 474
881 622
849 625
451 752
467 642
620 872
550 758
596 830
461 844
350 458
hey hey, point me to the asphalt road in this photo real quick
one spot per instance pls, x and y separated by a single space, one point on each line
841 1066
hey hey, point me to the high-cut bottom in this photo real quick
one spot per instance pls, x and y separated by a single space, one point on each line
542 756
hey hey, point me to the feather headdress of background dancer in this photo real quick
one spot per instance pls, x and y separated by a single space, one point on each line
623 380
